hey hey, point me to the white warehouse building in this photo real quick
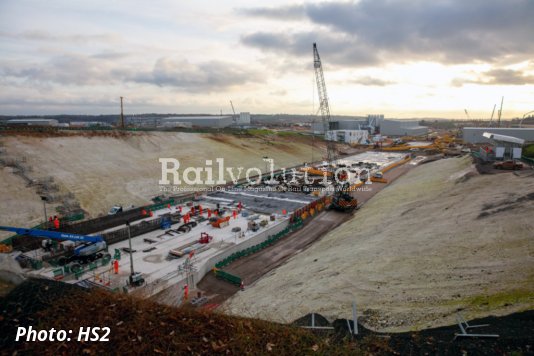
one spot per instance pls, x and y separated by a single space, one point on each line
402 128
34 121
199 121
243 119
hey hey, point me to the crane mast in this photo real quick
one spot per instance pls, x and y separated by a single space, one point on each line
234 118
323 104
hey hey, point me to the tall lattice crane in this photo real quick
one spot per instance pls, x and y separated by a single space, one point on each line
323 104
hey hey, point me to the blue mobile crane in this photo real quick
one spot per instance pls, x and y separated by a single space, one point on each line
88 251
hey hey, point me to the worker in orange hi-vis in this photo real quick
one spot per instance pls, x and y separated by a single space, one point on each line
216 212
151 213
239 206
192 210
169 206
116 266
143 212
180 209
209 213
200 209
56 223
234 213
284 212
186 292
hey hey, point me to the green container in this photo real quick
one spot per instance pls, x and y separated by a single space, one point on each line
58 272
36 264
105 260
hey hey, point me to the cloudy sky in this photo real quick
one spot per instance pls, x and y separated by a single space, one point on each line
413 58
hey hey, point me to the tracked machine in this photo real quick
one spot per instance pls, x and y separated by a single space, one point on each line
342 200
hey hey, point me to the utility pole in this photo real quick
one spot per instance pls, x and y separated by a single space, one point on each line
131 253
122 115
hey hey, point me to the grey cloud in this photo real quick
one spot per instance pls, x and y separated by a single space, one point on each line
285 12
102 69
341 49
205 76
370 81
67 69
451 31
39 35
498 77
508 77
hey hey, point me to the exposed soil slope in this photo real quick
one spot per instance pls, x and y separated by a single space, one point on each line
441 237
105 170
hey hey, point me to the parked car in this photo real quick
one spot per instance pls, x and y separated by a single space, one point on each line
510 165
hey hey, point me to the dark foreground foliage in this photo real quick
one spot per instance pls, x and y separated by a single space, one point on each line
143 327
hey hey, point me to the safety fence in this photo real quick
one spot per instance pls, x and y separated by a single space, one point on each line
228 277
271 240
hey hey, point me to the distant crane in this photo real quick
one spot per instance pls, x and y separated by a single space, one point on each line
342 199
234 118
467 114
122 115
500 113
323 104
493 112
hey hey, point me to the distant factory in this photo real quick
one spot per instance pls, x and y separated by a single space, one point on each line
402 128
352 130
33 121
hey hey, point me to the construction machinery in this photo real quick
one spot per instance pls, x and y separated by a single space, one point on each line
500 113
234 118
342 200
220 222
192 247
88 250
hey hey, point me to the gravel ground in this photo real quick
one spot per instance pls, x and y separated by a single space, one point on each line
439 238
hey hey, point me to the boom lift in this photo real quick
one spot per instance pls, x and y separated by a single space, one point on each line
87 251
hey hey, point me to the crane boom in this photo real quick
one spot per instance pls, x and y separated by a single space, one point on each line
323 104
52 234
492 113
234 118
467 114
500 113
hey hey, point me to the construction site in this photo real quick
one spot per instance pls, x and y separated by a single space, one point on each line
394 233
